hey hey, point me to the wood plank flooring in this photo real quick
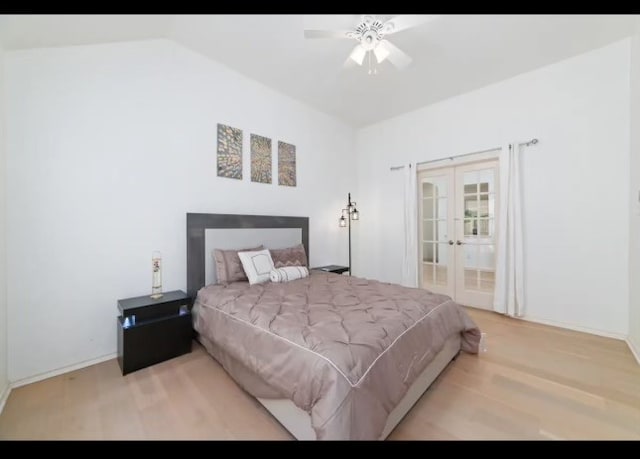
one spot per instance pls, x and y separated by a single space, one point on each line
534 382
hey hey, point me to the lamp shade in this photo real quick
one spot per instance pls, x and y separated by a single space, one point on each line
381 52
358 54
343 221
355 215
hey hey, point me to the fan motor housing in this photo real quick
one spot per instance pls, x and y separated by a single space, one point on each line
369 40
369 34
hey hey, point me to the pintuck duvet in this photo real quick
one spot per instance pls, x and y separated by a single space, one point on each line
342 348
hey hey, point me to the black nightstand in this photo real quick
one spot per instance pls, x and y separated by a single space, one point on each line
332 269
153 330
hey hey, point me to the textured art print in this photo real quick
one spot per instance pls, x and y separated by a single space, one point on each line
260 159
286 164
229 152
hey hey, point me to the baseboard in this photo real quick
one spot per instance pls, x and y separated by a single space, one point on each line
59 371
592 331
634 350
4 396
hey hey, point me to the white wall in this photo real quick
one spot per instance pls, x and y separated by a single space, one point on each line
4 382
576 181
634 221
109 147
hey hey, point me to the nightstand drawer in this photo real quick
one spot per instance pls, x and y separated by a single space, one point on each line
153 341
147 308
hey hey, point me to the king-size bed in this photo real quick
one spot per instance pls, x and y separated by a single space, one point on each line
331 357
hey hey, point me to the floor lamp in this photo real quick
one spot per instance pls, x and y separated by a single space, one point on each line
348 214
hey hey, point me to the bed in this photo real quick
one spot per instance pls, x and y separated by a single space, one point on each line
332 357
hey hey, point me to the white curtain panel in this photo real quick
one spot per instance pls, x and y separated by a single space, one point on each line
508 297
410 255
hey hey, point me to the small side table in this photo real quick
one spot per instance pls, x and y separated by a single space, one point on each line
153 330
333 269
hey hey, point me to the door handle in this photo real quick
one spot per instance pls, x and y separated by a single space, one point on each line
450 242
459 242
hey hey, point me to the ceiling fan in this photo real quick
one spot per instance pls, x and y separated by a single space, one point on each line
370 34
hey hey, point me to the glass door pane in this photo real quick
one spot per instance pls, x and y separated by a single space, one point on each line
458 210
475 245
479 218
436 230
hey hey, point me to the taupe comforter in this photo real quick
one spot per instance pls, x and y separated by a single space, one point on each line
342 348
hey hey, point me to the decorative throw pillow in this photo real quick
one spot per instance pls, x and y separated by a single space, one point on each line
228 265
291 256
257 265
288 274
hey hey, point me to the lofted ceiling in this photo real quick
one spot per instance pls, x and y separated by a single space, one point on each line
452 54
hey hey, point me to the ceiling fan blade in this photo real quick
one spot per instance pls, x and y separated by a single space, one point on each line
330 21
396 56
358 54
406 21
326 33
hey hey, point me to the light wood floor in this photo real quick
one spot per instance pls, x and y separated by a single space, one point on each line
534 382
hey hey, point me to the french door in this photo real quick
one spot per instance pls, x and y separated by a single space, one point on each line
458 215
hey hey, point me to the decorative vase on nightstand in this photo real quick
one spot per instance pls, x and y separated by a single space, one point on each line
156 272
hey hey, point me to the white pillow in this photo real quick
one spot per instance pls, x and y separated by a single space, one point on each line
257 265
288 273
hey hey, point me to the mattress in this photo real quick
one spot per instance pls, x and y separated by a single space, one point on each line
343 349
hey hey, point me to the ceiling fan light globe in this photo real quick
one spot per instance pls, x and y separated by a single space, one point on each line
381 53
358 54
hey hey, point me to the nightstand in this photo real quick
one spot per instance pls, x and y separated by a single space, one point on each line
332 269
153 330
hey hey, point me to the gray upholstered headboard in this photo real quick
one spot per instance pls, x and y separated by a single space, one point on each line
198 224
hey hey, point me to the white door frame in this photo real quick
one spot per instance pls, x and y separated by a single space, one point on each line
446 241
474 297
454 286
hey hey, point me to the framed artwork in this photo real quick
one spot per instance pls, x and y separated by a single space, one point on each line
260 159
286 164
229 152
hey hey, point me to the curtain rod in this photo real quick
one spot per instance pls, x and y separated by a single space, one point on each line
530 142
